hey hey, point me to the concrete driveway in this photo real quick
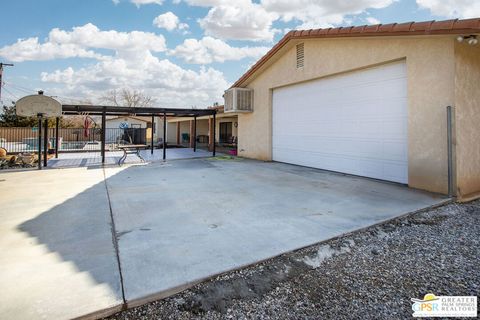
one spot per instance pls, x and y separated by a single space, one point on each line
174 224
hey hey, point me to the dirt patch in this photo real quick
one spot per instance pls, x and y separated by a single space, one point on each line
218 295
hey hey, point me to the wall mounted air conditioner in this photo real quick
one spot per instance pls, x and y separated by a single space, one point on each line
238 100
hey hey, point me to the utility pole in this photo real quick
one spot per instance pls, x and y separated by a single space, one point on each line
1 72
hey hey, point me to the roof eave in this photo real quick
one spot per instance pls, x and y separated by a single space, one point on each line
425 28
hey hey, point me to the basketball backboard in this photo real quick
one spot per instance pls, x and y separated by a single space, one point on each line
38 104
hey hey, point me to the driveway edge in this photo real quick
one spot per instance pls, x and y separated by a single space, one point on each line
174 290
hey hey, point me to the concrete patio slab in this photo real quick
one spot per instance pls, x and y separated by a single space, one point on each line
177 223
184 221
94 159
58 260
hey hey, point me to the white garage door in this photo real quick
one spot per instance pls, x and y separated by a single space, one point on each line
354 123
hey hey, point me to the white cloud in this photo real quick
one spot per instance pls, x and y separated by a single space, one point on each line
138 3
90 36
206 3
78 42
171 85
452 8
248 20
320 13
115 2
31 49
169 21
372 20
208 50
128 61
239 19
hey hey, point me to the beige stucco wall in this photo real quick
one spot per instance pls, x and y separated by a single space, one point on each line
184 128
467 116
430 72
202 127
115 123
159 127
171 132
202 124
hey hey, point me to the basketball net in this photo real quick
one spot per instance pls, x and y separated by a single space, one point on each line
86 124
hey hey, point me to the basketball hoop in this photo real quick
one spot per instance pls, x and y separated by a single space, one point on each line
35 105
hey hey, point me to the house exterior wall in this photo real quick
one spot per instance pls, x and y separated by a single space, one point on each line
184 128
113 136
202 127
171 132
430 73
234 129
115 123
467 119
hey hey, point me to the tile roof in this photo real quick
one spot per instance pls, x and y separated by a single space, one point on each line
445 27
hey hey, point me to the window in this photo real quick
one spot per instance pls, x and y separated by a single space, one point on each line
225 132
300 55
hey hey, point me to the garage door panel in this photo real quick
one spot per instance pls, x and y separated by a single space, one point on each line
395 151
366 79
354 123
395 129
389 129
335 146
381 108
357 93
378 169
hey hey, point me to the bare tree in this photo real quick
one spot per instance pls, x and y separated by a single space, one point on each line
72 121
128 98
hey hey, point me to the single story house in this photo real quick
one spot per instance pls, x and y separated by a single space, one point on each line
127 122
369 101
116 125
180 129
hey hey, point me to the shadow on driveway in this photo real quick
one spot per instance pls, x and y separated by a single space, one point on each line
177 223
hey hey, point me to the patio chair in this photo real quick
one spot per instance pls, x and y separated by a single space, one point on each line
202 138
231 142
159 143
185 137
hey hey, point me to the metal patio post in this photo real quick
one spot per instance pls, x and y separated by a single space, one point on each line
39 141
103 134
57 120
153 128
194 133
164 136
214 131
45 144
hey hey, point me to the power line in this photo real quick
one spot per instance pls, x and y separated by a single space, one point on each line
1 73
9 86
30 91
6 98
25 90
11 93
19 88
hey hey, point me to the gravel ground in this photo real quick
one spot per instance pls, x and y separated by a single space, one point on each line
370 274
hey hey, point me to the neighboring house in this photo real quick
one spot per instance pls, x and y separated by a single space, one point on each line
127 122
226 129
369 101
116 125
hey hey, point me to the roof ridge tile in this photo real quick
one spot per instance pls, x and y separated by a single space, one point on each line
445 27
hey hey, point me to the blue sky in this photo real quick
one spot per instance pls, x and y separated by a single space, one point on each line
182 52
